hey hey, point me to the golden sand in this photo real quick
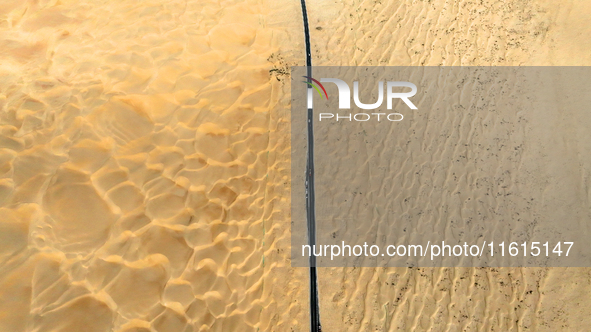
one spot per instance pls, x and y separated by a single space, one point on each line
144 168
144 157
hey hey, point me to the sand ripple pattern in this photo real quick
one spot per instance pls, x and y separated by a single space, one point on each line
425 32
143 166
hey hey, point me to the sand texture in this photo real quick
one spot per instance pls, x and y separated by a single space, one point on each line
495 154
144 165
457 33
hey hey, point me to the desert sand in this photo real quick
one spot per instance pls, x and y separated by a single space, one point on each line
143 166
434 33
145 172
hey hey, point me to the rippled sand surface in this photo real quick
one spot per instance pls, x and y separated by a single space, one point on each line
458 33
144 165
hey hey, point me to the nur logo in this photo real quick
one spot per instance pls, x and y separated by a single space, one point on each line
345 98
345 93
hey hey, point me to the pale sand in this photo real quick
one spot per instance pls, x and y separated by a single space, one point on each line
461 33
145 165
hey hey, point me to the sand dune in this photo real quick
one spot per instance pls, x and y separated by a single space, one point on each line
485 33
144 165
144 169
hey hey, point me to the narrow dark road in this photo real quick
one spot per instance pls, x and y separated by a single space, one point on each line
310 199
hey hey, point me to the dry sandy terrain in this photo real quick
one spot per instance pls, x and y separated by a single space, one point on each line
144 165
144 179
455 33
